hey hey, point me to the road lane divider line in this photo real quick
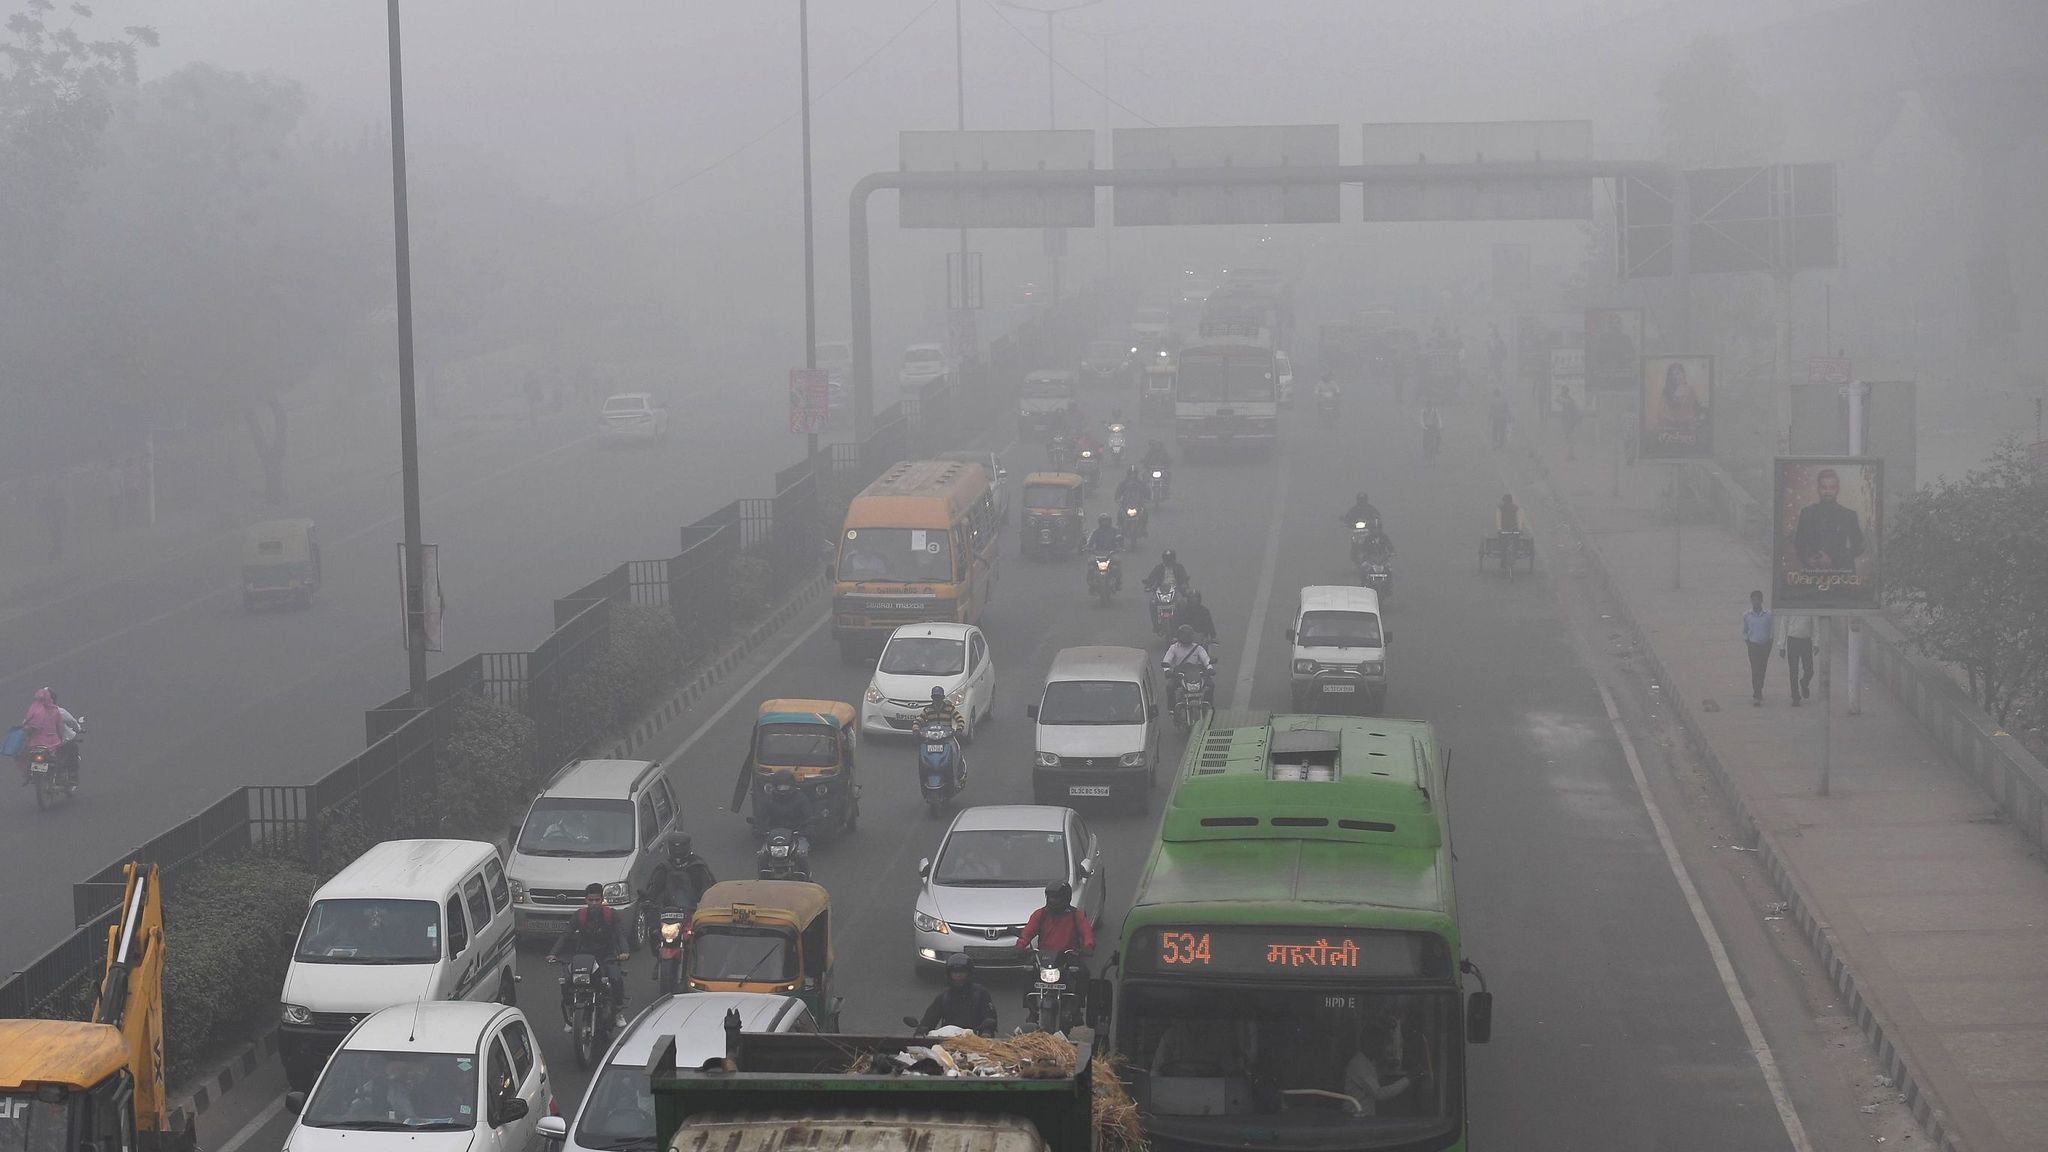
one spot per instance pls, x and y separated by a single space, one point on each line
740 693
1255 623
254 1127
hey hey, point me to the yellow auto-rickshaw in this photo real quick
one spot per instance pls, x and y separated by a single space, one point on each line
1054 520
280 562
812 740
766 936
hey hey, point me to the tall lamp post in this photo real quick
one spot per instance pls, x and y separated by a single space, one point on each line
803 39
1051 103
408 412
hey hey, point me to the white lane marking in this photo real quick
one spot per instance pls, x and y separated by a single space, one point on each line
1255 625
1765 1061
256 1124
740 693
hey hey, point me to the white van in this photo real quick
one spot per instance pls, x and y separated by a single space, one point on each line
1098 728
408 920
1340 650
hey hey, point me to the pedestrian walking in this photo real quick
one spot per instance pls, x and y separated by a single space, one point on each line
1756 633
1568 410
1795 633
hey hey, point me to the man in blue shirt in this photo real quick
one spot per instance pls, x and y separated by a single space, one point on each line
1756 633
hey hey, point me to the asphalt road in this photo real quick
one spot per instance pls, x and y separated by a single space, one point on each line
1613 1027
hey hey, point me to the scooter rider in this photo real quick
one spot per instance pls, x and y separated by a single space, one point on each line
678 884
965 1002
598 929
50 728
1185 650
941 711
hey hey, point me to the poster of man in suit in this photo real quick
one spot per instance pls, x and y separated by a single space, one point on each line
1827 523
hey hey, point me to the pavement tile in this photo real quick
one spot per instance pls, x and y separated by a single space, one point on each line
1964 911
1957 954
1980 1003
2001 1055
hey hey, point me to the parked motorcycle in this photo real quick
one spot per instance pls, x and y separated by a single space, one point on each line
1103 576
781 856
1134 522
586 1008
1054 1003
669 941
941 768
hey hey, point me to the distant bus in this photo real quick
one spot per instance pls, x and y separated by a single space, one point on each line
1292 954
918 545
1226 389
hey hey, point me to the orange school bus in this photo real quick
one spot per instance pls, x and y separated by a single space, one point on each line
919 545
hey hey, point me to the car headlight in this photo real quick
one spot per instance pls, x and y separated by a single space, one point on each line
618 892
957 696
1371 667
1131 759
926 923
874 694
1305 667
293 1014
518 891
1048 760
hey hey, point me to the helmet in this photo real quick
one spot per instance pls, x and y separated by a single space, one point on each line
1059 894
782 778
938 693
1167 557
1507 499
1363 499
680 848
1103 519
1186 634
959 962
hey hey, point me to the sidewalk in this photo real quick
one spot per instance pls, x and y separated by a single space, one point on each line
1929 915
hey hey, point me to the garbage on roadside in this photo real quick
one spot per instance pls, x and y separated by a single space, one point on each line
1031 1056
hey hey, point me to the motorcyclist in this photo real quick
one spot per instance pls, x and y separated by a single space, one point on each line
1185 650
1195 615
1326 388
598 929
1169 565
1060 927
965 1002
782 804
1157 458
1362 510
49 728
1105 538
681 881
1134 490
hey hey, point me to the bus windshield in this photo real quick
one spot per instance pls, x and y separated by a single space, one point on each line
1336 1066
903 555
1206 380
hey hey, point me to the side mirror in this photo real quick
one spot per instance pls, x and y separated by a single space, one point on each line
924 866
1386 638
1151 711
553 1129
1031 710
1478 1017
1290 635
295 1102
1087 867
511 1108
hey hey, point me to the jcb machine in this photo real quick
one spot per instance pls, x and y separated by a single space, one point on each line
69 1086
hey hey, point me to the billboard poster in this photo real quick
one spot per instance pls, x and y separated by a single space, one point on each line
810 399
1614 348
1677 408
1826 526
1568 380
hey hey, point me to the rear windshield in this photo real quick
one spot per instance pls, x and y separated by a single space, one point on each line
626 404
371 932
1092 702
1339 630
1051 496
922 356
722 952
796 745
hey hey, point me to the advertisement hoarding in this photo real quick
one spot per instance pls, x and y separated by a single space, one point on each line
1614 349
1827 526
1677 408
810 399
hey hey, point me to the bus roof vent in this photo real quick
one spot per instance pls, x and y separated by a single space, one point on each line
1308 755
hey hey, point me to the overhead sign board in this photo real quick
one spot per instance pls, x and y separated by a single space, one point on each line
1644 215
1287 145
1431 147
1829 370
1772 218
1067 150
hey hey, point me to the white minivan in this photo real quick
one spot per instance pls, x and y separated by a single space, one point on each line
407 920
1340 650
1098 728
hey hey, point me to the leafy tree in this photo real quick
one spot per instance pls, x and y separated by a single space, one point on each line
56 90
1970 559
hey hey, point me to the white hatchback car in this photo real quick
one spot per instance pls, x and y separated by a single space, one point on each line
922 364
633 416
920 657
990 876
437 1076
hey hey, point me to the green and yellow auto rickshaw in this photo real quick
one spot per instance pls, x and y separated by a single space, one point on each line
766 936
280 563
812 740
1053 514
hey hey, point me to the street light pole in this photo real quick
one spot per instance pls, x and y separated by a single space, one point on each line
408 412
803 37
1051 108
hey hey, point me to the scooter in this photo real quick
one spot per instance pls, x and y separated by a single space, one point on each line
669 941
941 769
1102 576
1117 443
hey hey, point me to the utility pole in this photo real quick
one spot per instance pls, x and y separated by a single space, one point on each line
960 124
1051 112
408 412
803 40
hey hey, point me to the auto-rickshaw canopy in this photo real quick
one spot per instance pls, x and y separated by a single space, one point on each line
809 737
797 911
1037 482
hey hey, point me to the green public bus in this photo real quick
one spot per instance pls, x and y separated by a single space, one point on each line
1289 975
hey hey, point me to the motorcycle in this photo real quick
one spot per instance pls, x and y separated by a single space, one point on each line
779 857
586 1008
669 941
1135 517
1190 693
941 773
1327 403
1054 1002
1102 576
53 772
1090 468
1060 450
1117 443
1165 606
1160 485
1377 576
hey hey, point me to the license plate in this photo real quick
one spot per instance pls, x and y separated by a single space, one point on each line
1340 687
1087 789
935 782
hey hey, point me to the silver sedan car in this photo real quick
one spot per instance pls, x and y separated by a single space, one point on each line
990 875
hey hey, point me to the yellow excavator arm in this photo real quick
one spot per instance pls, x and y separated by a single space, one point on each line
132 991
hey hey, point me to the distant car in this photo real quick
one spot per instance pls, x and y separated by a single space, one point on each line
922 364
1151 323
1195 290
633 416
1283 378
1108 361
990 874
920 657
432 1075
998 478
836 358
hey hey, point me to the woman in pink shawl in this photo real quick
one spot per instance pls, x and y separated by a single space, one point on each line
48 727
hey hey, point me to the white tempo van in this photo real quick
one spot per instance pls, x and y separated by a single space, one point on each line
1340 650
1098 728
408 920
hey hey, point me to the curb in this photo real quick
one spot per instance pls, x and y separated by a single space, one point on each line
193 1103
1869 1015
